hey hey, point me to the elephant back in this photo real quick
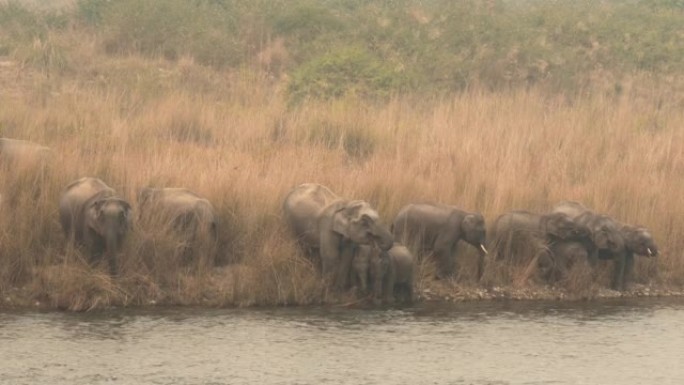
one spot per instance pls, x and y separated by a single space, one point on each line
572 209
302 207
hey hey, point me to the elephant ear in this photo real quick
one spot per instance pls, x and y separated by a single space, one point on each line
469 222
343 218
94 214
551 224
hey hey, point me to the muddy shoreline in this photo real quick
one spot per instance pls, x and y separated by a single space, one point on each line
21 298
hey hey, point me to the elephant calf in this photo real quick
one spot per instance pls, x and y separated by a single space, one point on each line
334 227
92 215
191 218
387 274
438 229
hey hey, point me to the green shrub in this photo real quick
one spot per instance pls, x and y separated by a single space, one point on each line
205 30
343 72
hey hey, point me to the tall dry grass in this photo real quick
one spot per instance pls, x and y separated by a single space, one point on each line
232 138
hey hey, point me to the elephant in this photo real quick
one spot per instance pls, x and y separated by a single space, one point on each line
388 274
438 228
521 232
93 216
321 221
605 235
638 241
554 263
192 218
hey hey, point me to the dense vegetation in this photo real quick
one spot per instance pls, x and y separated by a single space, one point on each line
488 105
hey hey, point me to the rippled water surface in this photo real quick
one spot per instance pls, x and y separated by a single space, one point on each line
617 342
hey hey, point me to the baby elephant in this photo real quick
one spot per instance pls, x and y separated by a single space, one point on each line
92 215
389 274
190 217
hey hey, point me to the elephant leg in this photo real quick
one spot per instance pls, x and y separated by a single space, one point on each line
443 252
593 258
111 259
330 249
629 268
344 265
388 287
619 272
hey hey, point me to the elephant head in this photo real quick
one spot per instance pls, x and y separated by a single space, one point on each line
109 218
359 222
604 232
560 226
639 240
473 229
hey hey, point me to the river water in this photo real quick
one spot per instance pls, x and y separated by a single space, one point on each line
615 342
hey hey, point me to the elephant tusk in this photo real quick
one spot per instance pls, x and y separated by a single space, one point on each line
483 249
650 253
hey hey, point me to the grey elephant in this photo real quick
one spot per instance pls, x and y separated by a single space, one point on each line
554 263
388 274
638 241
192 218
605 235
517 236
92 215
437 229
333 227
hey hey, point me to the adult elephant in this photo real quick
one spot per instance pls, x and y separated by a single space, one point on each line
388 274
638 241
190 217
518 235
437 229
605 235
92 215
333 226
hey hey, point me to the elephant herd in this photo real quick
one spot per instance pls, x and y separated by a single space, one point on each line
352 244
356 249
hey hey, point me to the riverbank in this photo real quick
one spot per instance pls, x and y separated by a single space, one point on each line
218 296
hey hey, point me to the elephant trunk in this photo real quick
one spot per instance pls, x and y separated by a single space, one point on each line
383 238
112 242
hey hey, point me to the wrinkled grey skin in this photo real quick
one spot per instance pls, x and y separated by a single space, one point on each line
91 215
333 227
388 274
638 241
605 234
554 264
438 229
518 235
191 217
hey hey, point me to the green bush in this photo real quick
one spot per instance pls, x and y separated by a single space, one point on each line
204 30
343 72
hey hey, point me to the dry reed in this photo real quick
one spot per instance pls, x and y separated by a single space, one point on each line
136 123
